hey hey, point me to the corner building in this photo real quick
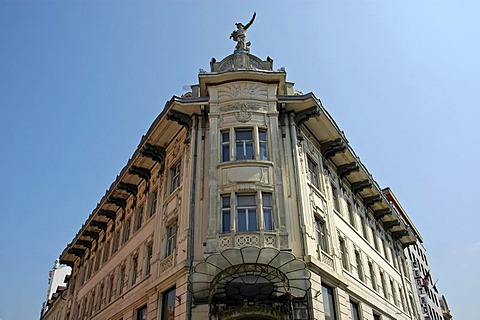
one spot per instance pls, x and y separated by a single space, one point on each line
243 200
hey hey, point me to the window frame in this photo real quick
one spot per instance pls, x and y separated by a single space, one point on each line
153 203
313 172
171 241
321 234
355 310
139 217
175 176
329 299
168 299
344 253
244 144
141 312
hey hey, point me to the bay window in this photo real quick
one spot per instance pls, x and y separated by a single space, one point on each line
248 144
252 212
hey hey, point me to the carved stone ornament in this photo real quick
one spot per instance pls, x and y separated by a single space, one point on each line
243 115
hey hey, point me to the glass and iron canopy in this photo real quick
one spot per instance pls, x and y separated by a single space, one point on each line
249 274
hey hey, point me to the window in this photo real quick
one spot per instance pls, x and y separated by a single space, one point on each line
226 215
168 305
175 177
251 211
358 260
267 211
139 218
355 311
153 203
225 146
321 234
133 278
246 213
171 238
244 144
364 227
343 253
351 215
148 258
126 230
121 278
98 258
110 288
312 172
262 144
141 313
376 316
336 203
106 251
384 285
116 241
394 293
328 303
100 297
248 144
372 276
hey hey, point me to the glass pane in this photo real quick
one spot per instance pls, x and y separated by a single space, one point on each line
246 200
354 311
267 219
239 151
262 135
328 303
225 136
168 305
263 151
226 202
252 220
249 150
267 200
226 221
242 220
225 152
243 135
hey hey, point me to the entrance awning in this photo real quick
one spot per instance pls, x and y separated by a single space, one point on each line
249 274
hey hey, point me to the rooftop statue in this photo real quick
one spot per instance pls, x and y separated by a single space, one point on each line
240 35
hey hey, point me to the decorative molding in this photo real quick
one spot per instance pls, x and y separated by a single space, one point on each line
358 186
369 201
332 147
129 188
378 214
243 115
154 152
345 169
119 202
182 119
91 234
99 224
390 224
110 214
243 106
303 116
241 90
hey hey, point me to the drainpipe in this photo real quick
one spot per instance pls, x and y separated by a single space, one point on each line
192 216
293 142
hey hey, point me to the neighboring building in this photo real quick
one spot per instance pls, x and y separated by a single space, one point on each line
427 300
243 200
57 283
445 310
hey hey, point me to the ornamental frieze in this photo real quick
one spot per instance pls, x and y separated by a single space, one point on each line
242 90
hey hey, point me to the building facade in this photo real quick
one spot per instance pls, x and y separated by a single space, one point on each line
427 300
243 200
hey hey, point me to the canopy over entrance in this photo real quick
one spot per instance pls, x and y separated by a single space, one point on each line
249 274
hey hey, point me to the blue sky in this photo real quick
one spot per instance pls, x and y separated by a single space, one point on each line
81 81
